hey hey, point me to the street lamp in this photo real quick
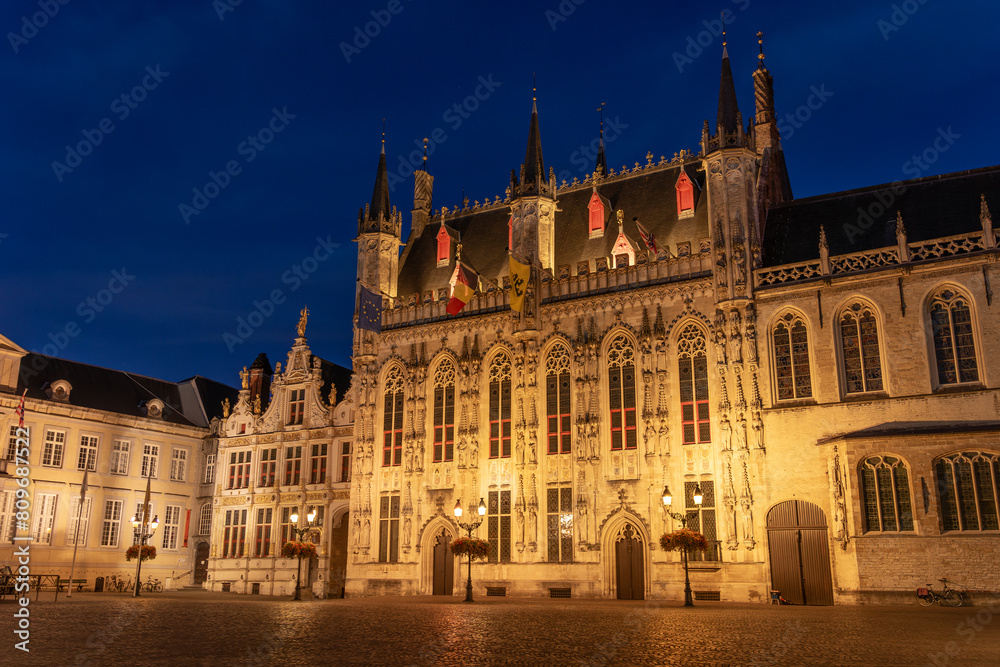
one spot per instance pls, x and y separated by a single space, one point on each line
297 533
139 527
667 499
470 526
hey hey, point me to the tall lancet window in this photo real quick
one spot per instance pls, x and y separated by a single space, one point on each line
557 402
859 341
392 429
954 344
692 359
444 412
621 393
500 373
791 358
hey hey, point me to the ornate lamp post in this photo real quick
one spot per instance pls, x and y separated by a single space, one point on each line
297 534
470 526
141 535
667 499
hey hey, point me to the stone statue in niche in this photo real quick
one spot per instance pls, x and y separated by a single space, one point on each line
748 538
726 429
735 339
751 336
741 433
758 433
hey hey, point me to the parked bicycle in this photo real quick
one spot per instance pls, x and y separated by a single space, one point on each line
949 596
152 585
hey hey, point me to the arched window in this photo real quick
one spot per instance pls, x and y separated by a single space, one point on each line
791 358
885 492
621 393
954 347
692 360
444 412
859 341
968 487
392 429
557 403
500 370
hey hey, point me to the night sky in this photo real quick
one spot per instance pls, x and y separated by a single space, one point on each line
272 110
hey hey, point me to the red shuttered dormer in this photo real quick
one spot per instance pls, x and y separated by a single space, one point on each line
685 196
444 246
597 215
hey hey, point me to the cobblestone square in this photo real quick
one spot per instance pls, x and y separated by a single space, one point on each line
214 629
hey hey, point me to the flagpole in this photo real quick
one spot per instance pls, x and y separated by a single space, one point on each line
76 536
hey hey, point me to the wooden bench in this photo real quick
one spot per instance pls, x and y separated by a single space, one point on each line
79 583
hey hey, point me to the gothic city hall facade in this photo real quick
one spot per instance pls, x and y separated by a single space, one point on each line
819 369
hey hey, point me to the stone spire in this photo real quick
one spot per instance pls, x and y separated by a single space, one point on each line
533 169
728 108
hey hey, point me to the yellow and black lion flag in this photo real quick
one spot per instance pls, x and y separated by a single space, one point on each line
518 283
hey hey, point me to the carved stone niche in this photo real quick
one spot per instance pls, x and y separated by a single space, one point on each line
602 264
427 297
684 249
704 245
582 268
563 271
411 300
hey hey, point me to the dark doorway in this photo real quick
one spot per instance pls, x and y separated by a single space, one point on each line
338 557
800 554
629 559
444 564
201 563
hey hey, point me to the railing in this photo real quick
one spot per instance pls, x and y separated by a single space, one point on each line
868 260
431 306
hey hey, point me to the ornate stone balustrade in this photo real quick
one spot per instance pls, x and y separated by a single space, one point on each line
948 246
431 306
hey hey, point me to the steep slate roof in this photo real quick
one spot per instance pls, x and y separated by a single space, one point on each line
728 108
191 402
649 195
380 193
932 207
336 375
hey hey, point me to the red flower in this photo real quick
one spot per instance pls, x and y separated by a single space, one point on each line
148 552
298 550
685 537
476 549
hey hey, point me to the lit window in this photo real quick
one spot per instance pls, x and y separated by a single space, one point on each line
859 341
500 374
498 526
444 412
345 462
150 458
293 465
954 344
52 452
296 406
388 529
557 400
693 372
791 358
701 518
621 393
685 196
234 534
392 431
317 464
262 534
178 465
969 490
205 520
88 453
119 457
560 524
597 214
885 492
268 465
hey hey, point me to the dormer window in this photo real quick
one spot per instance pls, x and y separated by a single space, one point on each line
685 196
623 252
444 247
59 390
597 215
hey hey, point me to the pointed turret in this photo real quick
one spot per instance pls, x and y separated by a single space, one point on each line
380 194
533 168
728 108
423 189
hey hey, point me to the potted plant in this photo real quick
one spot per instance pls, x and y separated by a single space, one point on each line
471 547
298 549
148 552
685 538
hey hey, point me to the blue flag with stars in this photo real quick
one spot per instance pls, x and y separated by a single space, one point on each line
370 311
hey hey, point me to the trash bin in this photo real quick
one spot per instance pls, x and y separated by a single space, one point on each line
99 585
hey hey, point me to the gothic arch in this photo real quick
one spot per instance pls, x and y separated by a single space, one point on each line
949 294
425 544
439 357
686 316
857 304
787 316
607 534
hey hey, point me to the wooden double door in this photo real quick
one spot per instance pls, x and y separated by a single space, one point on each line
444 564
800 554
630 564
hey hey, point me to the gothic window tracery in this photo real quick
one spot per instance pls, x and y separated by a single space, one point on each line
692 360
500 402
444 412
557 400
885 494
791 358
954 344
392 428
860 345
621 393
969 490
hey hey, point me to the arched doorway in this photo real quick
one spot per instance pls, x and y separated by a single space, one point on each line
800 554
629 564
338 556
444 564
201 563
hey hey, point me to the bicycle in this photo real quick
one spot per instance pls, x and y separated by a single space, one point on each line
949 596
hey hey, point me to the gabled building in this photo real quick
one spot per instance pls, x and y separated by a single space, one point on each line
688 325
284 451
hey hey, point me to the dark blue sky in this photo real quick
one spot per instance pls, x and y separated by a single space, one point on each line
290 99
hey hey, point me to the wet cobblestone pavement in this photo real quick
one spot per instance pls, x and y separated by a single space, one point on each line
225 629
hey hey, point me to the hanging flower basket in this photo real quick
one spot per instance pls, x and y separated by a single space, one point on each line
685 537
298 550
148 552
476 549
